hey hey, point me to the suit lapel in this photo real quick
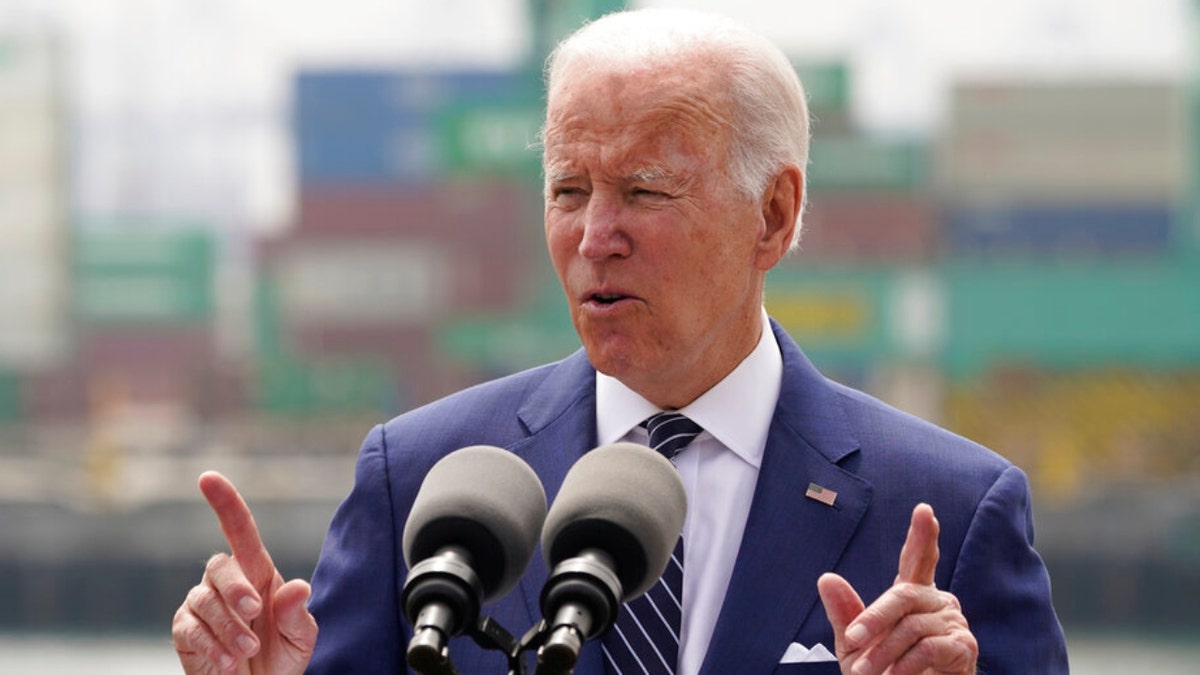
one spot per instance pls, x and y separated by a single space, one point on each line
790 539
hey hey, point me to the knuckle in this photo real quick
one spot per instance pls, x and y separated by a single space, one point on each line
200 597
927 651
908 593
215 563
195 637
951 601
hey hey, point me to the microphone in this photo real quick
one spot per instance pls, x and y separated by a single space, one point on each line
469 536
608 537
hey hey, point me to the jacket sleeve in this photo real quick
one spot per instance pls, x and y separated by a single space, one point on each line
1004 587
358 576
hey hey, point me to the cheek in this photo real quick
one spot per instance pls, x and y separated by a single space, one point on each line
559 241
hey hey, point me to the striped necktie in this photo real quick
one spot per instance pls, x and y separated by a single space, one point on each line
645 638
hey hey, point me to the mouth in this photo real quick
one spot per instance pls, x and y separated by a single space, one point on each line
605 298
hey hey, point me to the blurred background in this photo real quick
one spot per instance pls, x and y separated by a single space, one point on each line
235 234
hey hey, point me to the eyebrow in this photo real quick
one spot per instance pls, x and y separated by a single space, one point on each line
648 173
644 174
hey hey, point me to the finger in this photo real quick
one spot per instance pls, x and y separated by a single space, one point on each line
882 616
919 557
237 523
842 606
227 628
911 637
225 575
197 647
956 652
293 619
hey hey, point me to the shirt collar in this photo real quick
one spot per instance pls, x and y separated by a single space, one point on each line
737 411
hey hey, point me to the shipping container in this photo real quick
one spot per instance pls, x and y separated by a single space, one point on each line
295 387
1020 168
1064 141
143 276
1132 313
1132 109
492 139
869 226
333 97
864 163
1061 230
828 88
34 331
837 314
476 240
418 372
12 407
389 126
379 282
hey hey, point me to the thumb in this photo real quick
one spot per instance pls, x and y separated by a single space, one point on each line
293 621
842 605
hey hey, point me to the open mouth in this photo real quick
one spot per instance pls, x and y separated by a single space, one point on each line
605 298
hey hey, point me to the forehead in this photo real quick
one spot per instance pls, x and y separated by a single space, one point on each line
647 109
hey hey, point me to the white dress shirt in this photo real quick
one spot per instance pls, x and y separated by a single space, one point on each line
719 470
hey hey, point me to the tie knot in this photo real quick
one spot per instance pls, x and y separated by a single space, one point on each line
670 432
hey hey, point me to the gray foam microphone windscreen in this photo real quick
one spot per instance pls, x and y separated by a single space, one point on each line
485 500
626 500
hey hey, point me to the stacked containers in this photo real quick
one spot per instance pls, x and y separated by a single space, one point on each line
398 230
1050 170
34 324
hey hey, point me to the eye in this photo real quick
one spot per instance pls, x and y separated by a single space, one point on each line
568 196
642 193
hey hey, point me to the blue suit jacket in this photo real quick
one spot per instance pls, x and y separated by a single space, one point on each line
881 462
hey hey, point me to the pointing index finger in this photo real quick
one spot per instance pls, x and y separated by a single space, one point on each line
237 523
919 557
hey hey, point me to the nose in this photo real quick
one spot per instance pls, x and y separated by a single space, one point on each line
604 235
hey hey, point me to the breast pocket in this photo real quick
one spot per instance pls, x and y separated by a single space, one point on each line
819 668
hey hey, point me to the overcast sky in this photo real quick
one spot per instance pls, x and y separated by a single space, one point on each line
182 104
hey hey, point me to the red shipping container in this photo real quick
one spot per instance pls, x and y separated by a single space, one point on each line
869 227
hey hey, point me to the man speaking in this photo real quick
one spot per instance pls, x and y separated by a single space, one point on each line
825 531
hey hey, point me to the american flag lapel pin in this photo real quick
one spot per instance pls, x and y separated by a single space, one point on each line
823 495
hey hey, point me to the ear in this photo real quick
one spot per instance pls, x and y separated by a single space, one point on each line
781 205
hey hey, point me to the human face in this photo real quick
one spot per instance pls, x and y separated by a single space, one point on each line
660 256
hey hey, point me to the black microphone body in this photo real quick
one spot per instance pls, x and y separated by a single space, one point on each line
469 536
607 539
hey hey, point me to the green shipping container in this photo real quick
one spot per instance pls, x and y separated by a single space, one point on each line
1077 315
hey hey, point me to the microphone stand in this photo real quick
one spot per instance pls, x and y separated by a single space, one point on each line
489 634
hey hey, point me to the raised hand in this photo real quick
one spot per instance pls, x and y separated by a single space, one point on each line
913 627
242 617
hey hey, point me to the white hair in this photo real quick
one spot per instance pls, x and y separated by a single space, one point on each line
770 114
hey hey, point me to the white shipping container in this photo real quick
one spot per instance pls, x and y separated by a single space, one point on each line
31 221
33 260
1149 110
31 151
1022 168
1064 142
32 312
362 283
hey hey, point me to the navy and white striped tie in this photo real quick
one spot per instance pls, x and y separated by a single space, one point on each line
645 638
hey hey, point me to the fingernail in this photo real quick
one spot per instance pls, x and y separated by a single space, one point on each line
248 607
862 667
227 662
247 644
856 634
